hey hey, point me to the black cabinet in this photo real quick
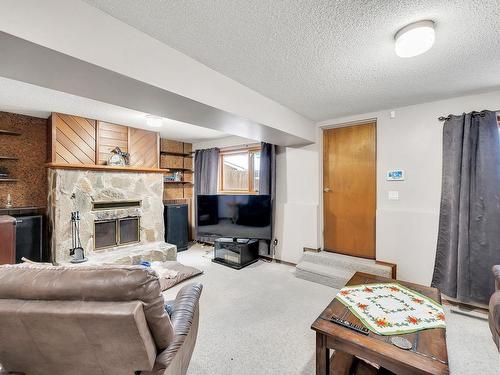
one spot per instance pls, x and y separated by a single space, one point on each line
236 252
176 225
29 238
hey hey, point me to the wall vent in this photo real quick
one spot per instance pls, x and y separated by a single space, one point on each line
115 205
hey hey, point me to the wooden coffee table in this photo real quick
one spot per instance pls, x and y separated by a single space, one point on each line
427 356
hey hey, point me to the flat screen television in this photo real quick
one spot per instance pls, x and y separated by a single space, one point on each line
240 216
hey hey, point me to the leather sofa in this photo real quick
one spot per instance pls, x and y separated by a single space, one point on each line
494 308
105 320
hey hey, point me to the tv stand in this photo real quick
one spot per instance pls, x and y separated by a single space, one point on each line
236 252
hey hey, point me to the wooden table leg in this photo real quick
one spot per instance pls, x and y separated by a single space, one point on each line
342 363
322 355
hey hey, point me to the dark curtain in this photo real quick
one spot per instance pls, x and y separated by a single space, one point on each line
267 178
267 173
206 171
469 223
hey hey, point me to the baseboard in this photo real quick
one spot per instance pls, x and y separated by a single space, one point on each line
446 300
203 243
270 259
394 267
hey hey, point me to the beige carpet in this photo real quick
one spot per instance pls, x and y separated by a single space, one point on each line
257 321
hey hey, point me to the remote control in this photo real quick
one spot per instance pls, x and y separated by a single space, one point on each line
350 325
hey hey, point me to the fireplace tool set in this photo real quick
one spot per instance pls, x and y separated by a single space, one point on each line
77 250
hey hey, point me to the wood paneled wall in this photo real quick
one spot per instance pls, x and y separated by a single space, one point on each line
110 136
74 139
142 150
77 140
31 150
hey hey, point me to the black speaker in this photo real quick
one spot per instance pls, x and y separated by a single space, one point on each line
176 225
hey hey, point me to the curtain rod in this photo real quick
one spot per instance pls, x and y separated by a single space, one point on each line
473 113
239 147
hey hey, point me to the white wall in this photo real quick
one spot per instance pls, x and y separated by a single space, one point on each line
296 223
407 228
82 31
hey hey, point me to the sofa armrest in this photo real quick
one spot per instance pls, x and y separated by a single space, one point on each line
494 317
496 273
184 318
5 372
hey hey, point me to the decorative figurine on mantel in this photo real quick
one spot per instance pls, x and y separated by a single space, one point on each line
77 250
118 157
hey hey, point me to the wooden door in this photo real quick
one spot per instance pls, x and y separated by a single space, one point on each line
349 189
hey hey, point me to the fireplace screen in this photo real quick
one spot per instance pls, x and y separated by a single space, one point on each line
116 232
129 230
105 234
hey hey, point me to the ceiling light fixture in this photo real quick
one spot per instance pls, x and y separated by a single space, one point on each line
154 121
415 39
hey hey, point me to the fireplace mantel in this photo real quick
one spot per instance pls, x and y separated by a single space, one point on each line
104 168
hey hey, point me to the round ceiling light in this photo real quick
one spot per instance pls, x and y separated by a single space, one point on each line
415 39
154 121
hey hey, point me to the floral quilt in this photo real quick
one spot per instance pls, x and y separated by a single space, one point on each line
392 309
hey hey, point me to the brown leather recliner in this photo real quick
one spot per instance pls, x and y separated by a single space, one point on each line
494 308
93 320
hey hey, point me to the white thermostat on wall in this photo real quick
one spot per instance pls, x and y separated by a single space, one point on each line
395 175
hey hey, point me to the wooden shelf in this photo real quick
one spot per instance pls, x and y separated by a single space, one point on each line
22 210
93 167
9 158
8 180
178 182
8 132
184 154
178 169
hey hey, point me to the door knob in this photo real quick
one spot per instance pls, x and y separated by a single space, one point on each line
326 190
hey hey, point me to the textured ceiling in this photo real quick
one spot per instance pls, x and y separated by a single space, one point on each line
20 97
326 58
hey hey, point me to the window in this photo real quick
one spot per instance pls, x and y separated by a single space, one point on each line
239 171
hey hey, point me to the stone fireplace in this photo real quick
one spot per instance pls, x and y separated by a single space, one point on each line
121 215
